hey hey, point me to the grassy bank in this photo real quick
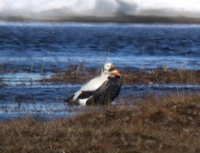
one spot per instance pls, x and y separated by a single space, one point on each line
79 74
160 124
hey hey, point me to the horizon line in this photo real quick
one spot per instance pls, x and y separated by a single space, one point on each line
103 19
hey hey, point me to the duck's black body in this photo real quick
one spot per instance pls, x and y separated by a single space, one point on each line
107 92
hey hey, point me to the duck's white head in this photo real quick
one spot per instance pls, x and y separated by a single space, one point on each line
110 70
107 67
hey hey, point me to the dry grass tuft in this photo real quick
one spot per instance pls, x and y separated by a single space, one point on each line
160 124
80 74
74 74
161 76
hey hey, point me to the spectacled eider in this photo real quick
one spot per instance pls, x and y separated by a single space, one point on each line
101 90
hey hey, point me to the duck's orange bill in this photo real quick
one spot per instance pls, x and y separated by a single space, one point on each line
116 73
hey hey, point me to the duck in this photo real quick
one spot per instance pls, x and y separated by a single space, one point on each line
101 90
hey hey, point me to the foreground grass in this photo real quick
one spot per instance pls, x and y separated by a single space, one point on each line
160 124
80 74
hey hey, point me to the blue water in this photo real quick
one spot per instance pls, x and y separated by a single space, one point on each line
32 51
24 46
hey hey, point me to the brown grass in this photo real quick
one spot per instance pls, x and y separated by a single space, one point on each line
74 74
161 76
160 124
79 74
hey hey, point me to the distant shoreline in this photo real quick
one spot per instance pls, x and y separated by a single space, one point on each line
116 19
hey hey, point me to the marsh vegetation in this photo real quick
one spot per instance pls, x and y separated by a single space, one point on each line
81 74
159 124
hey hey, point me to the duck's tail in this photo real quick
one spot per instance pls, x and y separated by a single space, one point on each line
70 100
